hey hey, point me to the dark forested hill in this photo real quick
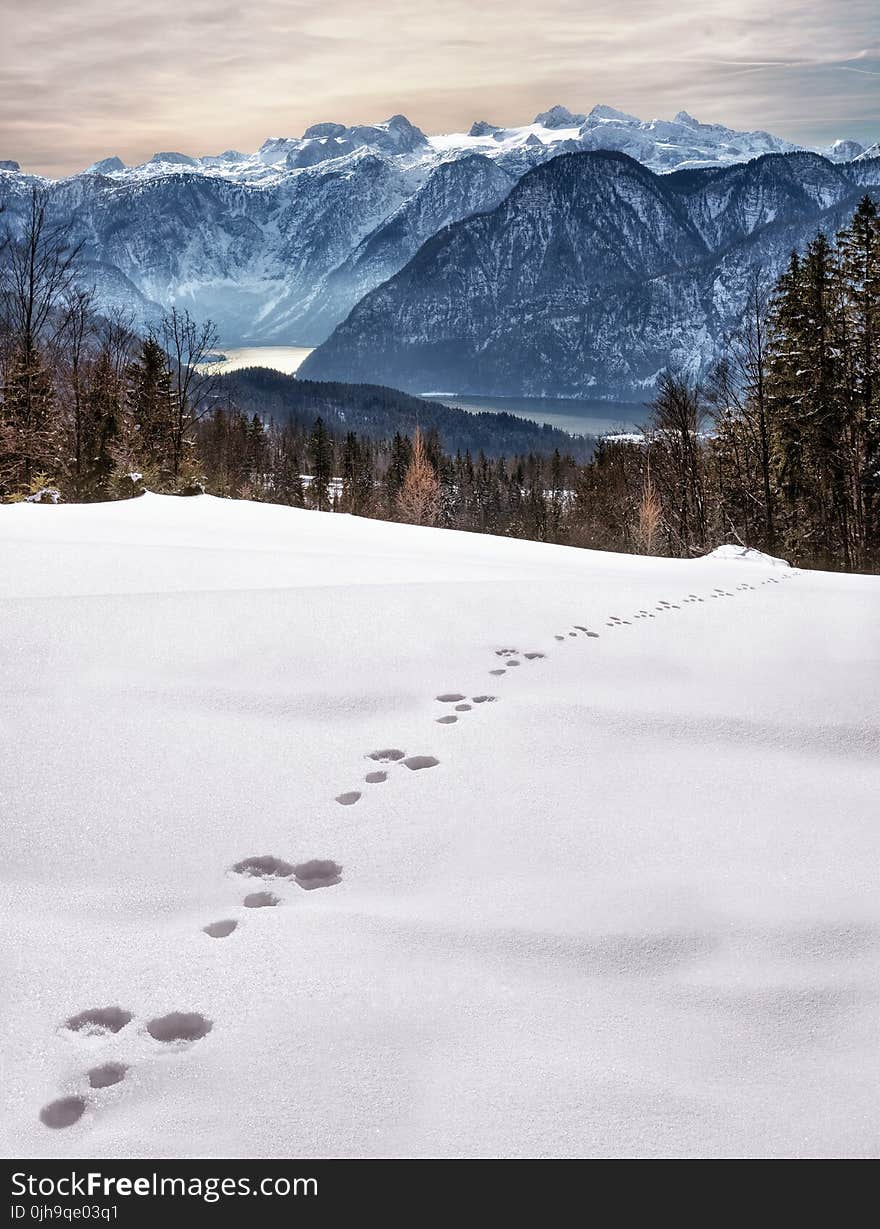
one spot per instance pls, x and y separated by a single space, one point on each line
379 412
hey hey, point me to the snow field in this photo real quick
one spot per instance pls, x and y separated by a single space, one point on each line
631 909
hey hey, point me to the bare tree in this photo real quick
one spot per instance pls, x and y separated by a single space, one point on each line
679 417
37 270
76 332
737 390
650 514
187 345
419 499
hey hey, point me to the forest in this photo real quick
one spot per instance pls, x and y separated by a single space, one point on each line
776 448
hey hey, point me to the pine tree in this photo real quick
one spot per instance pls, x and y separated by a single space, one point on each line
150 409
30 426
321 455
398 464
101 428
357 475
806 382
858 247
286 470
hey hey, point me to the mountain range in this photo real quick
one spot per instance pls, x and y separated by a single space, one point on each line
287 245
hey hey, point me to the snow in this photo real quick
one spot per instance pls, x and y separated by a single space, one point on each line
663 145
632 910
747 554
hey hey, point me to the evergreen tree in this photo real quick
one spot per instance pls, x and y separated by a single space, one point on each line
150 408
321 456
101 428
398 464
858 247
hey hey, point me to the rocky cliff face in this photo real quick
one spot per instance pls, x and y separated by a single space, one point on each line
249 255
282 261
590 277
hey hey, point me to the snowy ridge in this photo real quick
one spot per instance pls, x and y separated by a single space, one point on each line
747 554
663 145
623 904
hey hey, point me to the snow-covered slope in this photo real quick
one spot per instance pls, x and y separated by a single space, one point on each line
632 908
659 143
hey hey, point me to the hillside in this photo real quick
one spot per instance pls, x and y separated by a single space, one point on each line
380 412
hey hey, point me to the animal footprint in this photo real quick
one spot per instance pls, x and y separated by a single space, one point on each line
388 756
349 799
99 1020
106 1075
535 656
450 697
261 900
484 699
220 930
62 1113
415 762
179 1026
318 874
265 867
374 778
449 720
497 672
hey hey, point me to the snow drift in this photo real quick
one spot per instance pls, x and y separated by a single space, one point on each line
263 897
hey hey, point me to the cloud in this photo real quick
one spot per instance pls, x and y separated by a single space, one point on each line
80 82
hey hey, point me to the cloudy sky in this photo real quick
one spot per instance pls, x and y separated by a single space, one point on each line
80 81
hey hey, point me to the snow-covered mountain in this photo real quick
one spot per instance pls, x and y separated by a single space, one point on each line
624 903
590 277
660 144
280 244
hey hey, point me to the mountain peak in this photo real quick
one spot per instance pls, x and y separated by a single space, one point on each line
600 111
105 166
843 150
328 129
559 117
174 158
684 118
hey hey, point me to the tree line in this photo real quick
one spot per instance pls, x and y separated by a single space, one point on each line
778 448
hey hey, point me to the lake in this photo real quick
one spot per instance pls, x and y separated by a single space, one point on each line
577 417
580 417
277 358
